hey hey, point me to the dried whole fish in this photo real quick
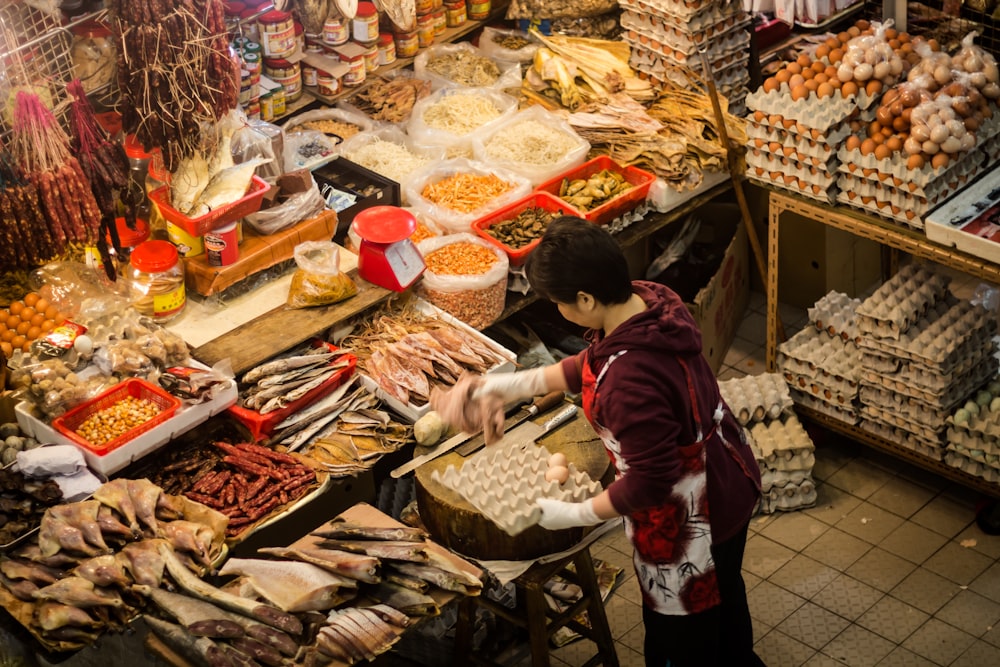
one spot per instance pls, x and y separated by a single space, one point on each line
405 600
200 650
393 550
357 566
285 364
449 581
201 618
342 530
293 585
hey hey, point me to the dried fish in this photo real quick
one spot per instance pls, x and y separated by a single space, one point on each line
201 650
286 364
293 585
449 581
393 550
405 600
357 566
320 407
339 529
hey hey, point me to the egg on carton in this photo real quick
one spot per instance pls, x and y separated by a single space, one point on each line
789 462
902 421
894 169
898 199
812 111
930 449
847 414
952 396
793 148
764 162
692 12
504 483
796 185
789 497
971 467
756 397
727 77
910 279
920 377
818 350
777 437
817 142
682 37
913 410
822 386
834 314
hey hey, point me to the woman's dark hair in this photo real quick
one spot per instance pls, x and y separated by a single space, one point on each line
578 256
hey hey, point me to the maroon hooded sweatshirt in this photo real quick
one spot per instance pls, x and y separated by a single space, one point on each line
643 400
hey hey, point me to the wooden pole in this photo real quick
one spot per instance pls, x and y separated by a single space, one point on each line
720 121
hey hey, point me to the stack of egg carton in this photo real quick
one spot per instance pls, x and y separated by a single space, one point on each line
822 362
663 34
504 482
888 188
973 435
784 451
922 352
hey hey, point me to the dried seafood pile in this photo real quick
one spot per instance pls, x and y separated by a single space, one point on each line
75 579
391 100
407 353
278 383
178 73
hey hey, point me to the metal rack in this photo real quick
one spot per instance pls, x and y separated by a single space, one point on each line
35 51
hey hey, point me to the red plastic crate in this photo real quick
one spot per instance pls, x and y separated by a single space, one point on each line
542 200
260 426
134 387
613 208
250 203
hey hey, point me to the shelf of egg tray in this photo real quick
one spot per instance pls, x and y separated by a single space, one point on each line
928 383
693 13
787 173
731 80
725 51
812 111
651 29
186 418
880 439
256 253
788 138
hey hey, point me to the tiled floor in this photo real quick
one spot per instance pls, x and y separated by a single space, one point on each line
888 568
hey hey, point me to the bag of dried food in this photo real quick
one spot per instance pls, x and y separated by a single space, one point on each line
464 65
511 46
465 276
450 117
319 281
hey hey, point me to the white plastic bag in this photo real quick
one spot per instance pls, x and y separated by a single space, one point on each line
361 121
258 138
533 168
478 300
451 220
457 143
490 45
477 69
295 209
308 149
318 281
399 160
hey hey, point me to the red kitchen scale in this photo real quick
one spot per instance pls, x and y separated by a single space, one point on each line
387 256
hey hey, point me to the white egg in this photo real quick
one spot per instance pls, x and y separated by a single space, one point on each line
84 345
558 459
558 473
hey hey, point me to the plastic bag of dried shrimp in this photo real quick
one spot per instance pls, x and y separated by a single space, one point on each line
465 276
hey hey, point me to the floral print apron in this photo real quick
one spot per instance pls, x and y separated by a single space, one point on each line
672 541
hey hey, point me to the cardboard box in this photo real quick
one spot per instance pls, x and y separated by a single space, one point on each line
814 259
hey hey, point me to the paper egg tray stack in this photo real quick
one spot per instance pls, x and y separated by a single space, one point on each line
504 482
973 435
754 398
835 313
794 144
889 189
923 351
664 34
785 455
822 372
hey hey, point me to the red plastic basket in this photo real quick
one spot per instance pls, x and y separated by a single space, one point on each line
260 426
542 200
613 208
250 203
134 387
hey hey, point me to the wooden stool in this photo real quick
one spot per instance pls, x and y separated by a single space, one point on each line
532 613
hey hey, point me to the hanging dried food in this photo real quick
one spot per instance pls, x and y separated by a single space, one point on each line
178 73
25 238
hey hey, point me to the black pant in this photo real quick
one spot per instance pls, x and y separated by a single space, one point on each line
719 637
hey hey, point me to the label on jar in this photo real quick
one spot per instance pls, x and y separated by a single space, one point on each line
308 75
356 74
334 32
371 58
479 10
386 51
425 31
278 102
365 28
407 44
328 85
440 22
278 44
454 14
169 304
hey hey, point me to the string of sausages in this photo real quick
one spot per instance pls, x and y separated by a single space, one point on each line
174 71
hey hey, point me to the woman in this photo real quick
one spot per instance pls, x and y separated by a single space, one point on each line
687 482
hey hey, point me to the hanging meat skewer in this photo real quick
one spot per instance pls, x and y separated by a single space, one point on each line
41 151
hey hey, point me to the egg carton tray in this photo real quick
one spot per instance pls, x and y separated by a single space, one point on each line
810 141
951 177
728 69
901 300
779 479
800 187
930 378
967 465
797 148
834 313
810 111
834 395
897 436
847 414
897 198
504 482
947 399
883 209
813 350
789 498
779 439
754 398
680 47
696 15
683 37
909 408
982 446
947 332
790 170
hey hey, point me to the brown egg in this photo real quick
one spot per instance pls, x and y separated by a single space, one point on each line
800 92
811 85
867 146
844 37
854 31
882 152
793 68
836 55
804 61
934 44
818 67
848 88
37 319
22 328
832 42
774 119
759 116
894 143
853 142
782 76
51 312
873 87
821 77
823 50
7 348
17 342
33 333
796 80
771 85
939 160
831 73
47 326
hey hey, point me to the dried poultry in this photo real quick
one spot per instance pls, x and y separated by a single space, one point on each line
391 100
22 503
406 353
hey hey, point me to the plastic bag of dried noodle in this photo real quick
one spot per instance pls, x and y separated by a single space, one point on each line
319 281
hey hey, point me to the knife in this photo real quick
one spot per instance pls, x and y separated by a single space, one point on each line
529 432
536 407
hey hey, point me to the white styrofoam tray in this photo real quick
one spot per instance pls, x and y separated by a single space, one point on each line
187 417
412 412
970 221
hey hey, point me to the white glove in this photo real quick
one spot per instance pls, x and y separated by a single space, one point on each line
512 386
557 514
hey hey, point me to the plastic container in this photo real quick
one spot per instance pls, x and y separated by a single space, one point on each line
156 280
286 73
407 44
640 179
277 33
371 57
260 426
327 84
479 10
93 54
440 21
425 30
455 13
222 245
129 239
68 423
386 49
219 217
542 200
364 25
335 32
352 55
309 75
267 107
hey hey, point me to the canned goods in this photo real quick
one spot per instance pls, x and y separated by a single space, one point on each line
278 102
479 10
266 107
440 22
288 74
371 57
328 84
308 75
407 44
352 54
